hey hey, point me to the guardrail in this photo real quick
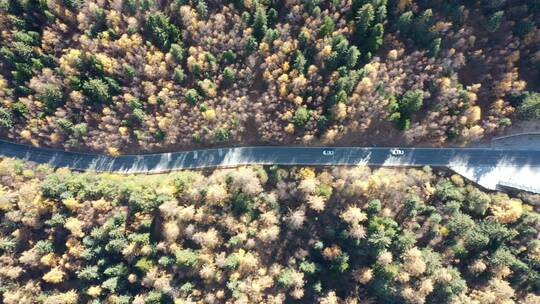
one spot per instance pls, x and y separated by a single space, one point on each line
518 186
514 135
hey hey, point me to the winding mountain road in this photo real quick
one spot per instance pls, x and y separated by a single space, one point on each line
479 161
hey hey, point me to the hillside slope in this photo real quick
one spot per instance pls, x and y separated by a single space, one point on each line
125 76
263 235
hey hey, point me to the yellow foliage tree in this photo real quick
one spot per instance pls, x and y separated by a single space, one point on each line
69 297
74 225
54 276
507 210
71 203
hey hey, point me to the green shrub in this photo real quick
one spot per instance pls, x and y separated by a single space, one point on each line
129 71
96 91
260 22
494 21
285 277
144 264
228 56
89 273
161 31
228 75
177 52
192 96
241 203
251 44
187 258
327 26
222 134
52 96
529 107
6 119
301 117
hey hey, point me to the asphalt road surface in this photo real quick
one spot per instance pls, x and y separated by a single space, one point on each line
224 157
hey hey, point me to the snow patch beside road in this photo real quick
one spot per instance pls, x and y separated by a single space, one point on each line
525 177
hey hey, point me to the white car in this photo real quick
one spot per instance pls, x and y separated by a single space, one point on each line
396 152
328 152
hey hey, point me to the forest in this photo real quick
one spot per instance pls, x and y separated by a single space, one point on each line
268 234
121 76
